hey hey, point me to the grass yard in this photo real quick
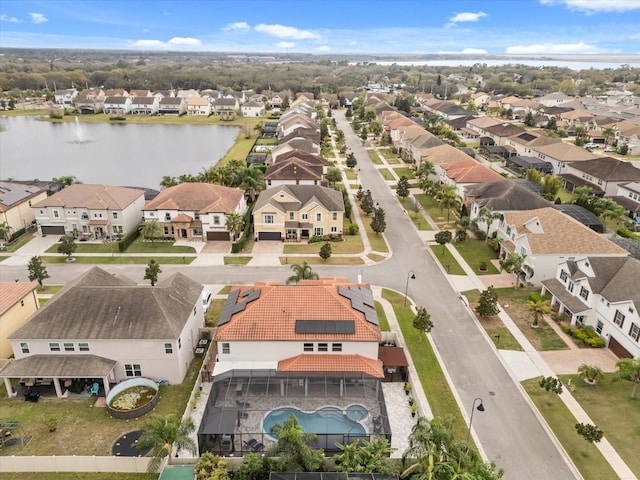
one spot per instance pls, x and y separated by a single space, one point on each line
386 174
514 302
81 476
432 209
225 290
593 465
378 243
98 429
432 378
20 242
49 289
387 154
608 403
474 252
375 257
382 318
215 309
123 259
446 259
350 174
352 244
319 261
374 157
138 246
416 217
237 260
404 171
393 161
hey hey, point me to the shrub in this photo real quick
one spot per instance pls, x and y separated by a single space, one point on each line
128 240
535 297
352 229
237 247
585 336
118 118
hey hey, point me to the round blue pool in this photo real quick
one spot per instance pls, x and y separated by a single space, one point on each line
327 420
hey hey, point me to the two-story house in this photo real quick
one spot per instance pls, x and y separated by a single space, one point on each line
172 106
18 301
560 154
628 196
15 205
65 97
198 106
253 108
197 211
102 326
298 212
94 211
147 105
601 293
603 175
117 105
296 168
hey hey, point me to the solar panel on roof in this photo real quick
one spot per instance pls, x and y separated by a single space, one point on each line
229 306
325 326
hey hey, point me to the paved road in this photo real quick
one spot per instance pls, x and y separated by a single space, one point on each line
509 431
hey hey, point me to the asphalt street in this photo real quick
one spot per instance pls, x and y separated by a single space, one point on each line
509 430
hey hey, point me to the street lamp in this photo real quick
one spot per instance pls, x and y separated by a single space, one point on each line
411 276
480 408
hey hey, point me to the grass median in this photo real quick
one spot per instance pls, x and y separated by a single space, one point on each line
119 259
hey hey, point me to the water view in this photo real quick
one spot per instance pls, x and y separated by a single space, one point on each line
113 154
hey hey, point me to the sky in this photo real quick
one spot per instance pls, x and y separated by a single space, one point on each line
516 27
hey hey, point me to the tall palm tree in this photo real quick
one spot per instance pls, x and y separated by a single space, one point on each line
293 447
150 229
302 271
538 309
161 433
609 134
448 199
629 369
486 215
234 223
5 230
251 181
513 264
425 169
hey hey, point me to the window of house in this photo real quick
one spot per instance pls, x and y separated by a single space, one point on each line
580 319
305 216
334 229
226 348
584 293
634 331
336 347
318 231
132 370
216 219
115 214
24 347
83 346
335 215
323 347
318 217
166 230
168 348
308 347
196 216
179 343
269 218
69 347
563 276
292 215
167 216
619 318
84 216
56 214
599 326
570 286
54 347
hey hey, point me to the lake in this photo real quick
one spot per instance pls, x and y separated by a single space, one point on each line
112 154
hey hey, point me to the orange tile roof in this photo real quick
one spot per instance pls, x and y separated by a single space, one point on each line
12 292
272 316
332 363
470 171
198 197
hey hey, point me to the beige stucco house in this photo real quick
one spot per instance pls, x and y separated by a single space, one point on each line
15 204
18 302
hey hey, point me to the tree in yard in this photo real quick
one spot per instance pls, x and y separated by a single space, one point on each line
66 180
37 271
160 433
292 448
365 456
607 208
351 160
551 385
552 124
360 194
422 321
302 271
590 373
251 180
442 238
448 199
367 203
487 216
364 133
253 467
425 169
168 181
584 197
325 251
67 245
609 134
152 271
463 225
528 119
538 309
591 433
551 185
534 175
378 223
403 187
210 467
150 229
334 175
629 369
5 231
488 303
234 223
513 264
376 128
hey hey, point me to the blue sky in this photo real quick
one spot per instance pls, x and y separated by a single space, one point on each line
605 27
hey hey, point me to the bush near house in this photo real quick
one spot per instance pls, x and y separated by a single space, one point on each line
584 336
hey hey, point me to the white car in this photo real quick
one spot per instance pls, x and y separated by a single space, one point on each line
206 300
591 145
609 149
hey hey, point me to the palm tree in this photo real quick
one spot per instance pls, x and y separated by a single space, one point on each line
629 369
251 181
590 373
538 309
234 223
161 433
486 215
513 264
150 229
448 199
425 169
464 224
302 271
609 134
5 230
583 196
293 447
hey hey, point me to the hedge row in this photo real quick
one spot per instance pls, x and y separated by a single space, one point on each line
584 336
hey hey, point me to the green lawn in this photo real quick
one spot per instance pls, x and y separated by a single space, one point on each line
386 174
20 242
388 154
375 257
446 259
350 174
434 383
592 466
81 476
432 209
237 260
404 171
49 289
138 246
123 259
502 338
374 157
318 261
416 217
215 309
382 318
474 252
225 290
393 161
352 244
378 244
609 405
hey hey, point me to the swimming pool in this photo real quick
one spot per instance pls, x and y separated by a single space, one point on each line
327 420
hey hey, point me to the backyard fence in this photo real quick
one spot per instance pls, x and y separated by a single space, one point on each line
74 463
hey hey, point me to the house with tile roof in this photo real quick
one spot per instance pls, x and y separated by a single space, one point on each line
253 108
325 326
295 170
524 142
196 211
298 212
546 237
147 105
628 196
18 301
601 293
172 105
91 210
15 204
198 106
466 173
602 175
416 148
560 154
107 327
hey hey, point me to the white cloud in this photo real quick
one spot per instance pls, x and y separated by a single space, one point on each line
546 48
285 44
184 41
467 17
149 44
38 18
635 36
591 6
466 51
7 18
323 48
237 26
282 31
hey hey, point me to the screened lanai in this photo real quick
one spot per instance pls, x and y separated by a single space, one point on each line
244 404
